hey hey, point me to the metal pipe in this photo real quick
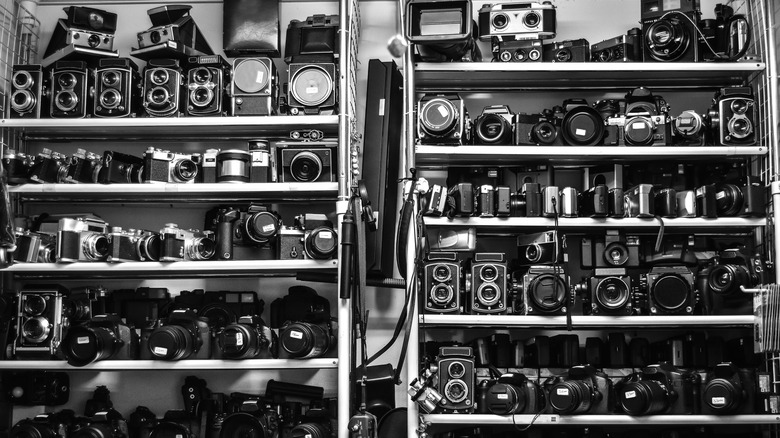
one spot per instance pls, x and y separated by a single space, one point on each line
776 221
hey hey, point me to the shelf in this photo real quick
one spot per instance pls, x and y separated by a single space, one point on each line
514 223
175 128
479 76
432 155
593 420
156 365
222 268
177 192
578 321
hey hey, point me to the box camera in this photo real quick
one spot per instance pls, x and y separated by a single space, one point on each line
720 281
179 245
456 379
486 282
133 245
313 161
511 393
658 389
219 307
71 83
616 250
40 323
732 117
494 126
639 201
82 239
670 31
254 87
582 390
623 48
32 247
104 337
173 34
608 291
516 21
689 129
312 88
85 33
537 129
442 283
247 338
163 89
516 50
49 167
742 197
117 88
729 390
29 92
567 51
539 249
311 237
442 30
545 291
669 290
120 168
304 320
84 167
442 119
17 166
169 167
207 79
182 335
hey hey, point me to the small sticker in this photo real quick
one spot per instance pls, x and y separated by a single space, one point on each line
260 77
160 350
502 396
631 394
82 340
381 112
639 125
268 228
443 111
720 195
580 132
312 90
239 340
296 334
326 234
173 44
562 391
178 435
718 401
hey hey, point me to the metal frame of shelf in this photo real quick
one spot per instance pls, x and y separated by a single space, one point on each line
157 365
594 420
592 321
585 222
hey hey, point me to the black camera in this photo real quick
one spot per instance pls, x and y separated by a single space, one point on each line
646 119
220 307
247 338
177 244
494 126
71 83
486 282
306 161
181 335
594 202
511 393
41 324
581 125
17 166
545 291
83 303
207 79
537 129
689 129
442 31
669 290
729 390
456 378
461 200
623 48
86 32
250 414
142 308
49 167
582 390
686 203
608 292
539 249
639 201
442 119
517 21
254 87
46 424
103 337
163 88
616 250
316 422
567 51
178 423
658 389
304 320
732 117
82 239
253 230
29 96
670 31
742 197
37 388
706 201
720 281
133 245
108 423
170 167
84 167
727 36
311 237
516 50
442 283
32 247
527 202
120 168
117 88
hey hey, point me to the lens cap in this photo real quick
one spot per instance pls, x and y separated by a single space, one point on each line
321 243
84 345
296 339
670 292
582 126
722 396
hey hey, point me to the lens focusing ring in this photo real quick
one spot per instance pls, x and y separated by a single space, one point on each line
36 330
95 247
645 397
726 279
172 337
201 248
184 170
456 370
740 127
571 397
612 293
23 101
22 80
110 98
66 100
158 97
441 273
488 294
436 294
456 391
306 166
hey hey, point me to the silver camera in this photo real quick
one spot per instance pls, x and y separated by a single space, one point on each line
517 21
178 245
82 239
165 166
133 245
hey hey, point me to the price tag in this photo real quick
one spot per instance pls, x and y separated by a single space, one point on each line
296 334
160 350
260 77
502 396
443 111
580 132
268 228
562 391
239 340
672 4
720 195
326 234
82 340
312 90
631 394
718 401
639 125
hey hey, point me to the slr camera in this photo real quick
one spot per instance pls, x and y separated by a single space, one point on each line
71 83
220 307
494 126
142 307
567 51
517 21
29 94
607 291
304 321
133 245
313 161
539 249
117 88
49 167
745 196
658 389
108 423
581 124
46 424
182 335
582 390
82 239
84 167
544 290
170 167
645 121
689 129
516 50
442 283
455 379
104 337
17 166
120 168
178 423
669 290
511 393
732 117
537 129
163 88
179 245
40 323
207 78
247 338
623 48
721 279
311 237
615 250
670 31
729 390
486 282
250 413
253 230
442 119
32 247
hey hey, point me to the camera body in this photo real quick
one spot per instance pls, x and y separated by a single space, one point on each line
254 87
669 290
689 129
133 245
117 88
539 249
313 161
567 51
639 201
658 389
49 167
732 117
17 166
521 21
220 307
170 167
182 335
537 129
247 338
615 250
487 283
461 200
40 322
82 239
34 247
84 168
670 31
645 121
720 281
744 196
511 393
108 423
456 377
304 321
177 244
120 168
623 48
582 390
311 237
609 292
729 390
545 291
45 424
103 337
163 88
312 88
207 79
594 202
442 283
494 126
71 82
29 96
442 119
516 50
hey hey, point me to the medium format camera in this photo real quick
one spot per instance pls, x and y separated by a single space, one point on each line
182 335
32 247
732 117
623 48
254 87
82 239
670 31
311 237
442 119
669 290
207 78
29 92
170 167
516 50
306 161
689 129
108 423
178 245
720 282
639 201
312 88
545 291
494 126
71 82
567 51
41 323
304 322
742 197
247 338
616 250
84 167
658 389
163 88
103 337
456 379
49 167
517 21
120 168
537 129
487 283
442 31
729 390
539 249
582 390
442 283
17 166
511 393
47 424
607 292
117 88
133 245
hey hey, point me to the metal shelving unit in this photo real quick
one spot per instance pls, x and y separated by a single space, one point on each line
583 322
157 365
521 223
595 420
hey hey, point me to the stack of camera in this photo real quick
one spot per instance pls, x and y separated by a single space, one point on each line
83 77
261 162
251 232
90 324
671 32
641 119
682 375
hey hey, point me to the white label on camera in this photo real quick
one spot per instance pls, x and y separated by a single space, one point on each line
672 4
720 195
639 125
296 334
562 391
631 394
443 111
269 228
381 107
717 401
239 339
581 132
260 77
173 44
82 340
326 234
178 435
502 396
160 350
312 90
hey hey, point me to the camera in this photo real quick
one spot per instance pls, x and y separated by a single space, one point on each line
607 292
729 390
732 117
86 32
312 88
247 338
486 282
120 168
32 247
517 21
316 422
29 92
46 424
173 31
82 239
178 245
141 307
456 379
229 166
727 37
179 423
442 283
494 126
741 197
182 335
117 88
706 201
516 50
220 307
17 166
84 167
666 203
169 167
108 423
639 201
311 237
133 245
511 393
569 198
101 338
721 279
646 121
527 202
670 31
304 322
163 88
461 200
41 323
539 249
251 229
616 250
567 51
537 129
207 78
545 291
582 390
49 167
250 414
306 162
254 87
594 202
581 125
485 205
71 83
623 48
669 290
442 119
658 389
442 31
261 167
689 129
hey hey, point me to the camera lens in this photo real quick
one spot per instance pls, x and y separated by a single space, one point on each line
488 294
728 200
23 79
492 128
233 166
172 342
505 56
740 127
306 166
159 76
531 19
439 116
110 78
571 397
534 252
311 86
689 124
34 305
85 345
442 273
604 55
22 101
110 98
639 130
155 36
645 397
547 293
244 425
612 293
321 243
517 204
670 292
545 133
200 248
563 55
582 126
238 341
309 430
505 399
94 40
740 106
456 370
201 96
667 40
36 330
723 396
27 429
201 75
520 55
184 170
66 80
726 279
261 227
218 314
302 340
46 254
500 20
95 430
488 273
66 100
456 391
148 247
442 294
250 75
95 247
616 254
157 97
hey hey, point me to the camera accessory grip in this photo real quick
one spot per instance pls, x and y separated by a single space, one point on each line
225 221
